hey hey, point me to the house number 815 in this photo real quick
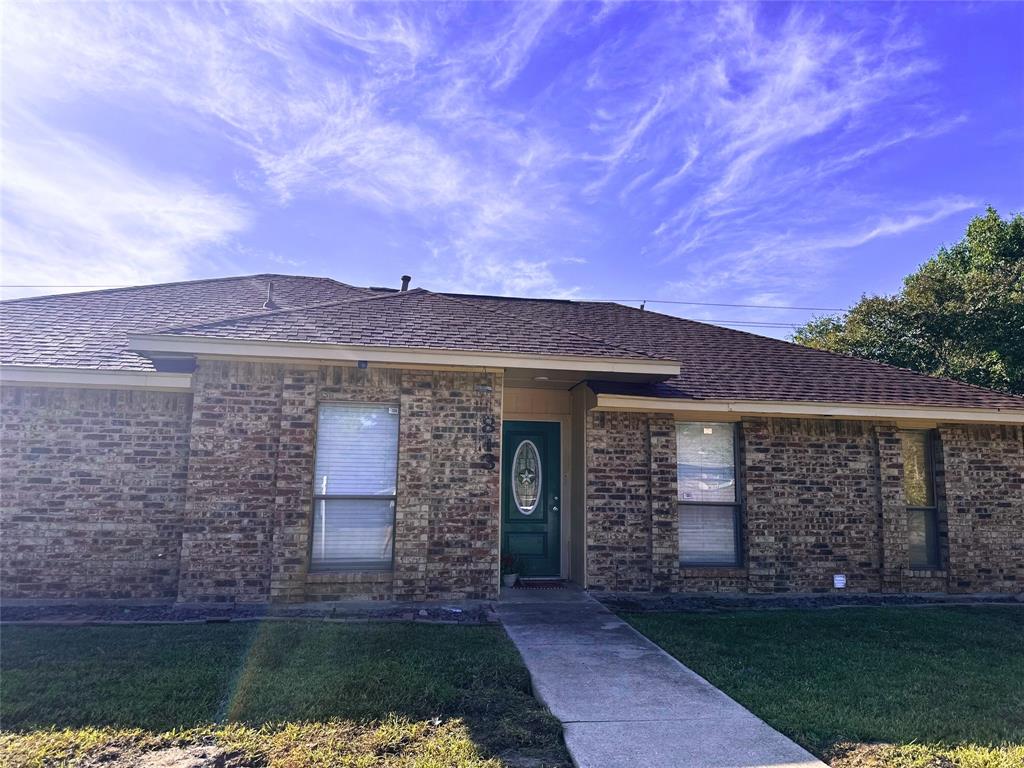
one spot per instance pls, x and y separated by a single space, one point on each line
487 426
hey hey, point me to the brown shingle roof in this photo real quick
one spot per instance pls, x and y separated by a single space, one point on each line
416 319
724 364
90 330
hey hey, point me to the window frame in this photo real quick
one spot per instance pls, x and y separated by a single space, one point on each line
736 504
319 497
935 551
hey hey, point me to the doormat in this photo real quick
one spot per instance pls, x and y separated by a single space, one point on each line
540 584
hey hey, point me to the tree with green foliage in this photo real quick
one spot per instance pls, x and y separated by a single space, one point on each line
960 315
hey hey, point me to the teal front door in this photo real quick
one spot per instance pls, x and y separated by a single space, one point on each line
531 505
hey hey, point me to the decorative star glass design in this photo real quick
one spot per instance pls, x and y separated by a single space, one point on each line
526 477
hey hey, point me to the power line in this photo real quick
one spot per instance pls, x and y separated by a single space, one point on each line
750 323
753 324
631 301
723 304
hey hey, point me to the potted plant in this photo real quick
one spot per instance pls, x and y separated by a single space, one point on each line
509 569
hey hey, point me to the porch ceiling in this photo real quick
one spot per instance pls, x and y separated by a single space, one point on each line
555 378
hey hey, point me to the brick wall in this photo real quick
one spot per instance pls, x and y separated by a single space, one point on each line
93 492
208 497
232 493
821 497
250 483
631 482
463 533
984 489
811 502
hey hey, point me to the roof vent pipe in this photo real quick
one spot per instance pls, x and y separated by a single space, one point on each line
405 282
269 303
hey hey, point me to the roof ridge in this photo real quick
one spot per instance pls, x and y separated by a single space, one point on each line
282 311
508 298
841 355
395 294
264 275
546 325
252 316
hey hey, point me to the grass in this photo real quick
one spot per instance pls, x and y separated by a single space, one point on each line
279 694
907 688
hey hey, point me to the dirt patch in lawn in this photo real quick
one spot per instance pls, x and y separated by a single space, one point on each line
170 757
852 755
862 755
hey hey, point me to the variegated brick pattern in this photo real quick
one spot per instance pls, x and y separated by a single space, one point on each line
92 492
821 497
255 546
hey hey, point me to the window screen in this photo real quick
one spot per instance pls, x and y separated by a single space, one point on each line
924 538
917 469
708 500
354 486
919 490
706 457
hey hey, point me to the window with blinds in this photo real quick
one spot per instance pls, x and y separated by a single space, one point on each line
354 487
919 491
709 508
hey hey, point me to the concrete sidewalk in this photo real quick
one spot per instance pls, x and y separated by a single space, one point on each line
624 702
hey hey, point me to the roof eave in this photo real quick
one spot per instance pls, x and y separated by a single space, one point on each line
733 409
157 344
92 378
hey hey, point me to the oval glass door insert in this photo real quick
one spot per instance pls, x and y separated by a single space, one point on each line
526 477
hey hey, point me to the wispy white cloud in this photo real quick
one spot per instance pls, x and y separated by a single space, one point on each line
626 140
73 214
257 75
513 140
764 121
790 264
511 50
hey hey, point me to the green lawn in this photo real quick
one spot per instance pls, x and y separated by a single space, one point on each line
280 694
902 687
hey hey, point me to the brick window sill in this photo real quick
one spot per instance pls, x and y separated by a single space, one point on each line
924 573
696 571
350 577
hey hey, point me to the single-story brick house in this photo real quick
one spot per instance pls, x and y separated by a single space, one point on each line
279 438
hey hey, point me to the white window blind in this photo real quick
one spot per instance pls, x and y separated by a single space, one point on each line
708 500
354 486
707 535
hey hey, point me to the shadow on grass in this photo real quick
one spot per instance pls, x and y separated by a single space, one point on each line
391 685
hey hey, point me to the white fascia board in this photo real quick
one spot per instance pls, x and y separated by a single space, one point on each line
810 409
53 376
320 352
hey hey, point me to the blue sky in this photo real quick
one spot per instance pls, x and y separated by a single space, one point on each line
766 155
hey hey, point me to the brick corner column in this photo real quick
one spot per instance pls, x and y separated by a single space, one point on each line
412 512
895 541
954 442
294 498
759 481
664 504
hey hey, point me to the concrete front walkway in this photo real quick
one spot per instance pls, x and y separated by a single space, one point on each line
624 702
